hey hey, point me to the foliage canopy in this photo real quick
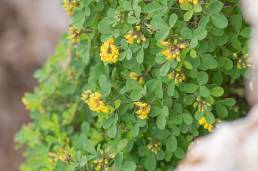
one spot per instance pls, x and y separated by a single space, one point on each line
134 82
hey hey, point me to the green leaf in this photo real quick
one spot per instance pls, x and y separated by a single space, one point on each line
159 24
161 121
219 20
89 147
202 78
190 87
135 131
193 43
162 34
105 85
171 144
188 15
215 7
186 33
154 87
108 122
228 102
129 54
236 22
246 32
188 65
150 162
126 5
172 20
179 153
207 61
197 8
121 145
187 118
171 88
221 110
132 20
204 91
153 7
217 91
186 6
193 53
117 103
111 132
164 69
200 33
209 117
140 56
136 94
128 166
228 64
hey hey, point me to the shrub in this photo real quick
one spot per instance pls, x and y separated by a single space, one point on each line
134 82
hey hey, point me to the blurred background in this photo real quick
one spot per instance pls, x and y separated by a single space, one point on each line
29 30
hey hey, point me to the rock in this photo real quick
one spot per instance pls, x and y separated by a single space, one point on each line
28 34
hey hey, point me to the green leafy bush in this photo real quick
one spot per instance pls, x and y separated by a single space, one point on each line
134 82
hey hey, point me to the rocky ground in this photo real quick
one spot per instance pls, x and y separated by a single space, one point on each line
29 30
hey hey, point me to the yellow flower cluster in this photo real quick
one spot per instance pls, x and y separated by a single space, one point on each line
143 109
136 77
131 36
205 124
99 164
154 147
189 1
70 5
74 34
94 101
61 155
243 62
102 164
177 76
173 50
109 52
201 105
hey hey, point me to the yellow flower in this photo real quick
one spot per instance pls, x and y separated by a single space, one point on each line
98 164
130 37
143 109
70 5
93 100
205 124
243 62
136 77
109 52
201 105
74 34
177 76
195 2
136 35
141 81
133 75
172 50
52 157
101 164
189 1
164 43
154 147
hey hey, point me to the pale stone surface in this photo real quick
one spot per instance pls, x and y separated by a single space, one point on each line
29 30
233 146
250 9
